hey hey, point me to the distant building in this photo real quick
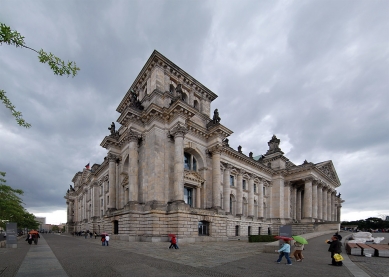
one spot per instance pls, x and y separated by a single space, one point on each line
387 218
169 169
42 222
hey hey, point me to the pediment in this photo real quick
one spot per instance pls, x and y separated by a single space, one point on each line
328 169
193 177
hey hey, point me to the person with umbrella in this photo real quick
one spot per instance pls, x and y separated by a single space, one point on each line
299 247
284 251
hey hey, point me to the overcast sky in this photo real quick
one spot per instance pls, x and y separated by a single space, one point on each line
315 73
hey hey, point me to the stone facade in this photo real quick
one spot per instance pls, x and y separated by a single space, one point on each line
169 169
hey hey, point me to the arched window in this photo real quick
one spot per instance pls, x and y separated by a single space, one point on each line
190 162
203 228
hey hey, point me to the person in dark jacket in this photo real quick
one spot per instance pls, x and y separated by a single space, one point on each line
335 248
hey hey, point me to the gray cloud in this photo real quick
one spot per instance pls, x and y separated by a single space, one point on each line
313 73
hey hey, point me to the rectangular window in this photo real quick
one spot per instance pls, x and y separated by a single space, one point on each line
101 213
249 230
255 188
244 184
188 196
101 204
232 181
264 191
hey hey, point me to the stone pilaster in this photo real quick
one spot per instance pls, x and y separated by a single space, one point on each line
178 132
133 167
226 188
112 181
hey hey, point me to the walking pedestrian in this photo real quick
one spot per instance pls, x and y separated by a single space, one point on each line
173 243
29 238
106 240
95 235
284 251
36 236
298 251
86 234
335 248
103 240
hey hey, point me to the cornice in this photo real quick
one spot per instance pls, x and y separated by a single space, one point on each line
243 158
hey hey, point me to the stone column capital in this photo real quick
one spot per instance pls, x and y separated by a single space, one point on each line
287 183
112 157
178 130
316 182
308 179
216 149
241 172
133 136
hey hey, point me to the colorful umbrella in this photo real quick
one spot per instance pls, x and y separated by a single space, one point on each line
300 239
171 235
282 237
105 234
33 232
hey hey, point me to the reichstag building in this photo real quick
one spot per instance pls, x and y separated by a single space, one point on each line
169 169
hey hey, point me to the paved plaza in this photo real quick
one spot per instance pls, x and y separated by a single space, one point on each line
65 255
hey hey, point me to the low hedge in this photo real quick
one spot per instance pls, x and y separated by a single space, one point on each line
262 238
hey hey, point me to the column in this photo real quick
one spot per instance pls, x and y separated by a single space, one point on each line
319 202
226 188
133 185
329 205
298 205
216 151
307 213
239 193
251 197
198 197
314 199
112 180
339 209
324 194
294 202
260 199
178 132
333 206
287 199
